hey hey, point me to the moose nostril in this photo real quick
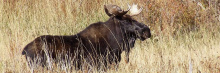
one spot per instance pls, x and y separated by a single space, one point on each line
149 35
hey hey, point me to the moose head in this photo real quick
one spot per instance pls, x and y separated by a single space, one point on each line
133 29
137 29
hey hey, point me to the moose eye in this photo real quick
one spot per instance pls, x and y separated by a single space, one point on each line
143 31
136 28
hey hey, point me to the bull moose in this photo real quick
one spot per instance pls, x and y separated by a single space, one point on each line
99 43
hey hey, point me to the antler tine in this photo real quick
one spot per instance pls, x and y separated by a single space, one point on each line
129 7
134 10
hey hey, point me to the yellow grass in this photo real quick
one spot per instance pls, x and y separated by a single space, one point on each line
186 38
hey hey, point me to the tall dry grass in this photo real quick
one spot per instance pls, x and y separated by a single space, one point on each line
185 33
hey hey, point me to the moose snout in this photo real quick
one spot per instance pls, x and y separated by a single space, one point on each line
148 35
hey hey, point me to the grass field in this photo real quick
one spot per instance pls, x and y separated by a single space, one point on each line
186 34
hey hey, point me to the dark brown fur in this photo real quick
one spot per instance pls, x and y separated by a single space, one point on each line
142 33
99 43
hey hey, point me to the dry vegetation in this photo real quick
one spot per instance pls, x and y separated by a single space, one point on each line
186 33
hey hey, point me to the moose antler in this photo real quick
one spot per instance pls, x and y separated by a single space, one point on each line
114 10
134 10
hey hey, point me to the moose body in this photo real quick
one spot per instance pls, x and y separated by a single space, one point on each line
99 43
91 42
